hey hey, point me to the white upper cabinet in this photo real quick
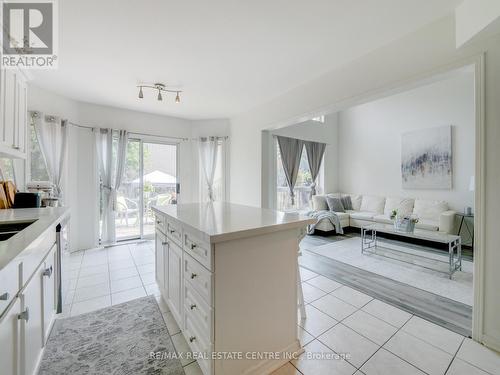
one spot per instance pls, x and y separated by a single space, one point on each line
13 113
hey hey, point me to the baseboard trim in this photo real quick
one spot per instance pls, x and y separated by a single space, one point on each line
270 365
492 343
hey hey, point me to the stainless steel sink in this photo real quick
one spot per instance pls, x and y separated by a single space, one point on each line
11 228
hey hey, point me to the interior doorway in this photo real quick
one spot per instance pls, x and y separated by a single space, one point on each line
150 178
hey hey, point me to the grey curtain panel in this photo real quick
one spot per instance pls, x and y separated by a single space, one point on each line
315 152
291 151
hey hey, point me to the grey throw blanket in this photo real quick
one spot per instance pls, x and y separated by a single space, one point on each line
324 215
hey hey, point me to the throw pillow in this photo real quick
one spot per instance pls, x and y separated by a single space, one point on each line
346 202
335 204
319 203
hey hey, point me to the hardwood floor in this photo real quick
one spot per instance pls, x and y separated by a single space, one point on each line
445 312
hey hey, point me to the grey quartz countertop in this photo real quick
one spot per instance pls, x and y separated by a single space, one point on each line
45 218
223 221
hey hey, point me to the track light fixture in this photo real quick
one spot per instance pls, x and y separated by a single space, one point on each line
161 88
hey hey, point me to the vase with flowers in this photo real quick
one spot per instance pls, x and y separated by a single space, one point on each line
404 223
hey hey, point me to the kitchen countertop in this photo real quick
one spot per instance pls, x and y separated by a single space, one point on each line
45 218
223 221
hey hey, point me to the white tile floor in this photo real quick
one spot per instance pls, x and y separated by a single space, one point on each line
374 337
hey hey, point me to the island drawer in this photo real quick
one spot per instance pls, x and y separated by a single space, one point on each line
199 277
198 249
198 345
161 223
196 308
9 284
174 231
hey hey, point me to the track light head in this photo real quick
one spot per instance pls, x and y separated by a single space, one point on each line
161 88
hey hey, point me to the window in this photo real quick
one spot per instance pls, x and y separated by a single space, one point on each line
7 169
38 169
302 187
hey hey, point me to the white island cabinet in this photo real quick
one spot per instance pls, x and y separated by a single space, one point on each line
229 276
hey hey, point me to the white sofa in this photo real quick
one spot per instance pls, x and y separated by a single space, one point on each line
369 209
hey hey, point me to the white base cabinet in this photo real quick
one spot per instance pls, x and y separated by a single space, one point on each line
31 320
231 295
10 338
26 323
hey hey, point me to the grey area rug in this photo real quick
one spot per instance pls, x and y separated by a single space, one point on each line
115 340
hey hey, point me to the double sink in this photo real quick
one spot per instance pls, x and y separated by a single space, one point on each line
11 228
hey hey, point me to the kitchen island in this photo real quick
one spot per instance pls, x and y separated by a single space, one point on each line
29 284
229 275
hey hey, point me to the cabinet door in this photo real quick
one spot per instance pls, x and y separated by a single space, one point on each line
31 323
2 105
10 340
10 108
21 115
49 293
175 280
160 259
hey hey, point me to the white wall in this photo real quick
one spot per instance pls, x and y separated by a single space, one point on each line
370 139
476 19
392 67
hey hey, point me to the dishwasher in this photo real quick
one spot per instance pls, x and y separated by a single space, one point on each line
61 243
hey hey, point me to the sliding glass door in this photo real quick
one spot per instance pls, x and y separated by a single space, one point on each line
150 179
159 180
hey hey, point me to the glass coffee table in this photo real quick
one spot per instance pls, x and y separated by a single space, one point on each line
432 260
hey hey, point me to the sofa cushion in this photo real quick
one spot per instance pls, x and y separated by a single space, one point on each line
371 203
429 210
427 224
383 219
355 200
346 202
404 206
362 215
319 203
334 204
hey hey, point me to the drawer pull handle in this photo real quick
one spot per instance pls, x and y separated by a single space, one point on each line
193 275
25 315
193 245
5 296
192 338
172 231
47 272
158 222
164 243
192 307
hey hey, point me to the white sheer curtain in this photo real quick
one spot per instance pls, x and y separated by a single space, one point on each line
52 137
111 168
211 156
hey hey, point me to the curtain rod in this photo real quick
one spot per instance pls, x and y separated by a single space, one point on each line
50 118
133 133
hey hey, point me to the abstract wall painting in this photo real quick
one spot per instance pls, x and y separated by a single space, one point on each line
426 159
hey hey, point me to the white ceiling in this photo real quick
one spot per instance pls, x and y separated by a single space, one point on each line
227 55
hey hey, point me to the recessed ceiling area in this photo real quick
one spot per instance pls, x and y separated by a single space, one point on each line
226 56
